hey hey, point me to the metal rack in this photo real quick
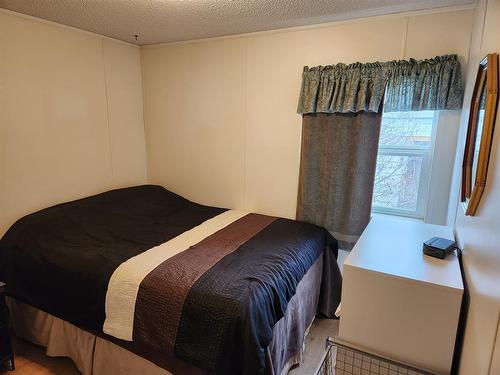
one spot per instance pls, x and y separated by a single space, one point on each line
342 359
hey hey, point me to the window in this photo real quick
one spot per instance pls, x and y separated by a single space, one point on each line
403 163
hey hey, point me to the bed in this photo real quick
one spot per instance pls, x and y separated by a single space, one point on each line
186 287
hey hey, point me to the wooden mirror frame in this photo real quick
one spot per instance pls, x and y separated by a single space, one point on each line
471 193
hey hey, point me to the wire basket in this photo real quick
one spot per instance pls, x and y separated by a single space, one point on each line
341 359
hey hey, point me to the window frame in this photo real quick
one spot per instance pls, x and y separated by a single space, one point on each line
427 154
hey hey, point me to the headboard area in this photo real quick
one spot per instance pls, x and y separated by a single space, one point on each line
71 121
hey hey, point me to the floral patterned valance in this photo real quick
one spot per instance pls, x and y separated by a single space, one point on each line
408 85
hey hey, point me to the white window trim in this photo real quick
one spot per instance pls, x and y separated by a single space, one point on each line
427 154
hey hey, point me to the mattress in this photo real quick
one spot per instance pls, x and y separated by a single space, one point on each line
166 277
97 355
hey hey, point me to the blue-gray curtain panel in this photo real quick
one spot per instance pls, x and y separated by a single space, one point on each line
337 172
408 85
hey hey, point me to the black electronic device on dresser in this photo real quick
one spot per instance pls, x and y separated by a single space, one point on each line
6 352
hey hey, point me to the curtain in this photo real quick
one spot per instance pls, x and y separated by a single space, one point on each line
342 88
341 107
337 172
433 84
409 85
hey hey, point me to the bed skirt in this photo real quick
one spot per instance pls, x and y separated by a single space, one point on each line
95 355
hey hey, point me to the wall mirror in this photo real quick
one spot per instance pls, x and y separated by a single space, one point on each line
479 133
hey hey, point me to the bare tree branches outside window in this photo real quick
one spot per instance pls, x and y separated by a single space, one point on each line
405 140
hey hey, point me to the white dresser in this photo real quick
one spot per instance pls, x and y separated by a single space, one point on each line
398 302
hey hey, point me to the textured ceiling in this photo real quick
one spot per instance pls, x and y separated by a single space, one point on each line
159 21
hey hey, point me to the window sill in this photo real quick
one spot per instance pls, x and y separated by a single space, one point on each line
378 214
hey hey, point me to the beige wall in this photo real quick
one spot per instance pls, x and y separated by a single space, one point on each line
71 119
479 236
220 114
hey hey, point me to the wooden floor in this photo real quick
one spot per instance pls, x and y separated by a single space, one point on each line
31 359
316 346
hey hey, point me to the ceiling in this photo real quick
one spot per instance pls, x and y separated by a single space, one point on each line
160 21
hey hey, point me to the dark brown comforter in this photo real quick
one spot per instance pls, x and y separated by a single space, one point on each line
213 305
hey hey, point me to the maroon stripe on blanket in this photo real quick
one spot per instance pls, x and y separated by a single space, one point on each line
163 291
